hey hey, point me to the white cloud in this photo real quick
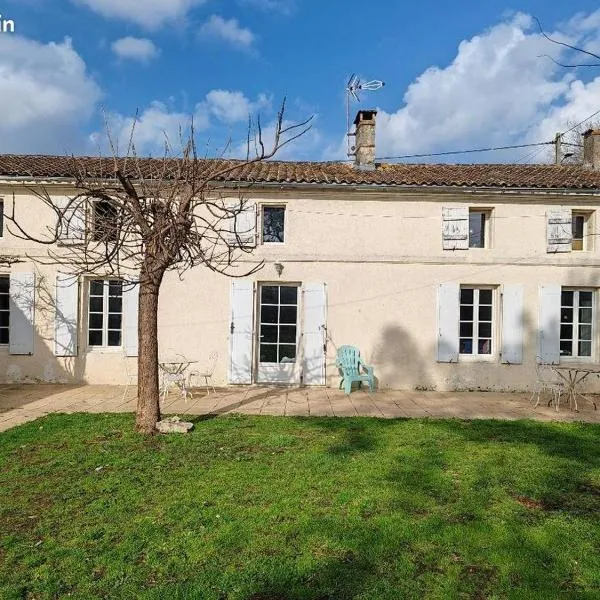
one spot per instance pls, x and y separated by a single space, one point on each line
281 6
139 49
228 31
147 13
231 107
45 96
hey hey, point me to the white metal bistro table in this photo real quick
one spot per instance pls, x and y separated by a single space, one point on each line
174 373
573 376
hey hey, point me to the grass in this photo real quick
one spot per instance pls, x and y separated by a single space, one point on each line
258 508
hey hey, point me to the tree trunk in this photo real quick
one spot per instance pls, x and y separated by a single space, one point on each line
148 408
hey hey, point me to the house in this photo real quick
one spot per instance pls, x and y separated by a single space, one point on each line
446 277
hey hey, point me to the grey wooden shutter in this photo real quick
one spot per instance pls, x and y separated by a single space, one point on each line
22 311
73 219
241 228
448 318
549 324
455 228
512 324
559 232
66 319
313 333
241 332
131 295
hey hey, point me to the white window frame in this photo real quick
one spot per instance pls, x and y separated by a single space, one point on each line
105 314
6 310
262 224
588 216
487 229
94 224
475 356
575 325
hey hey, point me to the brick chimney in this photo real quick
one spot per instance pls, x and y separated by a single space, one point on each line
591 149
364 157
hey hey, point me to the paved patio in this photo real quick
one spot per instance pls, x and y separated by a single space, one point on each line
20 404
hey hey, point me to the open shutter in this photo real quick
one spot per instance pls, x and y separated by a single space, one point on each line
512 324
241 332
559 232
448 318
66 320
72 221
241 228
455 228
22 310
549 325
314 323
131 296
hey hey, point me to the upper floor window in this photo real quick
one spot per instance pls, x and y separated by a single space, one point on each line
478 228
105 318
580 225
576 323
1 218
476 321
273 224
464 228
4 309
104 221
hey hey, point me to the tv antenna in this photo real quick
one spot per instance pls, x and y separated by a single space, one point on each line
354 86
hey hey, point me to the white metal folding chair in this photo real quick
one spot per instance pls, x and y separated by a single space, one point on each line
207 372
547 381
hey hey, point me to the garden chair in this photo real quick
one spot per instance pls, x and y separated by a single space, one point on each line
352 368
207 372
547 381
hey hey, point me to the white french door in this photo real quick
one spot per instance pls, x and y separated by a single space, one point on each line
278 334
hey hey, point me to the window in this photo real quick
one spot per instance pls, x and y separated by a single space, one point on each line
278 323
478 226
576 322
580 224
105 221
105 318
273 224
1 218
4 308
476 321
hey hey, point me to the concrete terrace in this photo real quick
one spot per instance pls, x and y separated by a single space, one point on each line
21 404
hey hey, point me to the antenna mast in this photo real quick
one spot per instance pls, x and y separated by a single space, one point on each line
352 88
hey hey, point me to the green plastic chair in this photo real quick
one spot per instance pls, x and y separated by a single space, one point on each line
350 365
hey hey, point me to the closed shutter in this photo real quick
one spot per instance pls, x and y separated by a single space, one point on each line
22 310
313 333
559 232
66 319
549 325
131 295
455 228
241 228
512 324
73 216
448 318
241 330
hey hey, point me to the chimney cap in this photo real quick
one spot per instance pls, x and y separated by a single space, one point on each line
591 131
364 115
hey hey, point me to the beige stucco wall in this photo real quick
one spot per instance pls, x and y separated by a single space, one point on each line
380 255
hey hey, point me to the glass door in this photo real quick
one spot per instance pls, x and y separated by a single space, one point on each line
278 334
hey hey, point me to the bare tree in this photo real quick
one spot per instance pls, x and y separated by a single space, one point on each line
149 216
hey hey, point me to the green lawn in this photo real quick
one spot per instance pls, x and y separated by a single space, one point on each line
270 508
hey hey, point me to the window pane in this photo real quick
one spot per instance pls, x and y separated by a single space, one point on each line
288 314
585 348
485 330
287 353
96 287
268 353
485 346
466 313
578 222
3 335
4 318
115 304
466 329
566 332
268 314
585 298
114 338
485 296
466 346
585 332
95 338
566 315
566 348
273 224
4 301
287 334
4 285
289 295
95 321
114 321
96 304
485 313
268 334
466 296
269 294
566 298
585 315
115 288
476 229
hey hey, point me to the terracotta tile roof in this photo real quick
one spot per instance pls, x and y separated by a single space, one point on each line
461 175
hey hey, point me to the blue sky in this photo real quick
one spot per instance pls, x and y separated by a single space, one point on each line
458 75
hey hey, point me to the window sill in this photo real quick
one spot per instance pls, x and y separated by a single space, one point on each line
105 350
479 358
